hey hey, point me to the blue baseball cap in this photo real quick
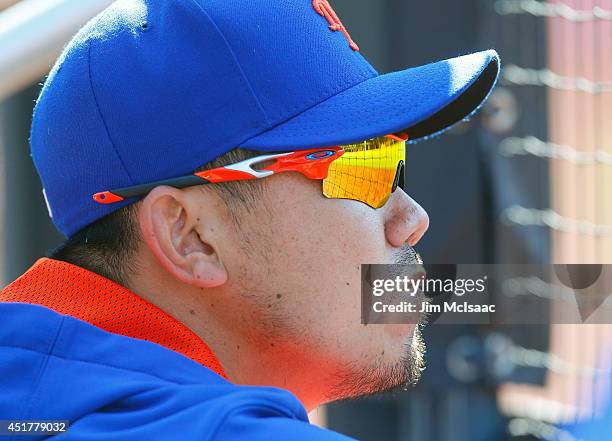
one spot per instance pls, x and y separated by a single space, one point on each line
153 89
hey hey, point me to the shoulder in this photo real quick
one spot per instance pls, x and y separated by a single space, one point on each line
259 424
202 412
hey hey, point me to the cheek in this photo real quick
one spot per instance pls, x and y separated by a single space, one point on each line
310 251
318 252
327 240
334 229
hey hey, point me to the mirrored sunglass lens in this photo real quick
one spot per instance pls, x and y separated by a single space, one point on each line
366 171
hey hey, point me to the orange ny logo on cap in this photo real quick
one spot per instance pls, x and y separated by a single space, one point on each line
325 10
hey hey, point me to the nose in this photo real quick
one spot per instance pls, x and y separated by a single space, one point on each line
405 220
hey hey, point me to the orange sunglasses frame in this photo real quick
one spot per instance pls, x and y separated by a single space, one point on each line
313 164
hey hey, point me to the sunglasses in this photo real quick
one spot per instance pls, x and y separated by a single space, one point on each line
368 171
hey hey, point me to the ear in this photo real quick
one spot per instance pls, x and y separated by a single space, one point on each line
170 226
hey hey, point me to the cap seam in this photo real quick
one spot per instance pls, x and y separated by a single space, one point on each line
243 76
306 109
95 100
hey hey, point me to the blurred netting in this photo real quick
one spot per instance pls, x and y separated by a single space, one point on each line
573 401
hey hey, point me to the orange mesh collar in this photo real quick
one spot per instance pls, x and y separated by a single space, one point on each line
77 292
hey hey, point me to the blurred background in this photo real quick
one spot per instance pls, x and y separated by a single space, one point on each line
529 180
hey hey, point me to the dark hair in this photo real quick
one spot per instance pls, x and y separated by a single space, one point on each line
107 246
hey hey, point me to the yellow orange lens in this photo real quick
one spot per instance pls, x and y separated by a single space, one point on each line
366 171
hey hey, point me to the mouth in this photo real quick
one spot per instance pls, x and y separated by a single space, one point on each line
421 274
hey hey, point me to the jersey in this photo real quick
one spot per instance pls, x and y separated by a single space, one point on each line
76 346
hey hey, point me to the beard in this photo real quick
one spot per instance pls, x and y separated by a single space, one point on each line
354 381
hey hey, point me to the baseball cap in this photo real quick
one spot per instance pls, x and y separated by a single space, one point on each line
153 89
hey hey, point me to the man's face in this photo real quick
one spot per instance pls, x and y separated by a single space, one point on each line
295 260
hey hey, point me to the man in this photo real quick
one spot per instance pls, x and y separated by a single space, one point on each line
193 300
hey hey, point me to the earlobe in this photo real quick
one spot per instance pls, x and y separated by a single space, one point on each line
209 274
170 231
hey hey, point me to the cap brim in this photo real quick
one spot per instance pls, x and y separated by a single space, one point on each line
422 101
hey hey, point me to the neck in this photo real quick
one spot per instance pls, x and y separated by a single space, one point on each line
230 326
